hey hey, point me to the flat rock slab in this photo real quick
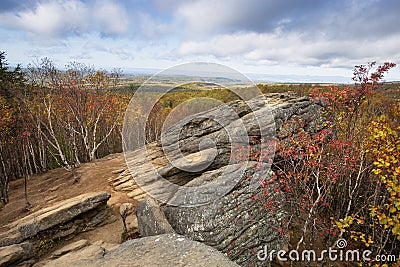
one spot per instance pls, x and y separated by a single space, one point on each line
15 253
69 248
46 218
118 171
10 254
162 250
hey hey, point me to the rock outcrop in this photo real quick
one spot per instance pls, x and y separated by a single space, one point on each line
245 210
124 182
15 253
57 222
151 219
161 250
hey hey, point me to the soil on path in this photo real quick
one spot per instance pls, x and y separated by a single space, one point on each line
56 185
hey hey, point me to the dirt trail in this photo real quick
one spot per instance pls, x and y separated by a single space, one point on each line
57 185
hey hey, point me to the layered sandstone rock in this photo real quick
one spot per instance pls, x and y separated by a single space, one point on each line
242 211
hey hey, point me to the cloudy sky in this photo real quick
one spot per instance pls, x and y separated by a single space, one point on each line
276 37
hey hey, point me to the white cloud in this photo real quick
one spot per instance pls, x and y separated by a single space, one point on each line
294 48
66 17
49 18
293 33
205 16
112 18
150 28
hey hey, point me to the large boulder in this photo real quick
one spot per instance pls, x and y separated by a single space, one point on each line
239 223
34 234
151 220
241 213
161 250
47 218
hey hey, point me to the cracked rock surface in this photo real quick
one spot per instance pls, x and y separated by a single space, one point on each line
237 214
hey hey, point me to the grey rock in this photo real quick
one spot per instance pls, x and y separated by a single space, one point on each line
151 220
213 132
194 162
238 223
238 214
46 218
10 254
27 263
162 250
66 232
82 257
14 253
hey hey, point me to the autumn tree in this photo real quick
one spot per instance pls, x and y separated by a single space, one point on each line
74 110
11 83
94 112
51 117
327 173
